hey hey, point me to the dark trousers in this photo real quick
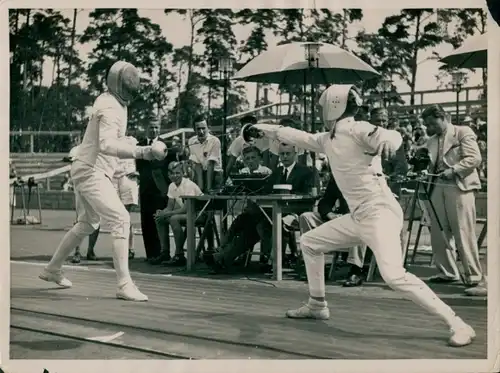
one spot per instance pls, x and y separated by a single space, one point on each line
149 203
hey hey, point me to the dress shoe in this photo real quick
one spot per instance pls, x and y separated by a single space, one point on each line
353 280
177 261
77 258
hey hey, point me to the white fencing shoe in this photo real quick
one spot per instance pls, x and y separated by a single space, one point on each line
461 335
315 310
56 277
130 292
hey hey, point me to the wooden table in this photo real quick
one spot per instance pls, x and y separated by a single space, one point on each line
277 202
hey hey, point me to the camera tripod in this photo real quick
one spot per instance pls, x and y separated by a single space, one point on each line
422 199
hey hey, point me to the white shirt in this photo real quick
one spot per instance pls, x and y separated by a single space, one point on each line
185 188
353 169
289 170
260 170
237 146
104 132
209 150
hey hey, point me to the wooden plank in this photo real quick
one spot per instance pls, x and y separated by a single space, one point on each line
253 315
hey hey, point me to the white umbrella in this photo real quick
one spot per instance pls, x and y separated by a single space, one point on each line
472 54
287 64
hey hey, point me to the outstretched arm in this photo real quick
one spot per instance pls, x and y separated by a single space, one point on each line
292 136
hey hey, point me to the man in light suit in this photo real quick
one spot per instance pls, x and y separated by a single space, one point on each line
455 156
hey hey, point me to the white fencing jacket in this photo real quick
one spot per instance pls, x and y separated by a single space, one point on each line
357 171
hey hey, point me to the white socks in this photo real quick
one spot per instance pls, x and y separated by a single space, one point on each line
66 246
120 260
315 268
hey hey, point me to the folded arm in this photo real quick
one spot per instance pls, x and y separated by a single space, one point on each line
470 155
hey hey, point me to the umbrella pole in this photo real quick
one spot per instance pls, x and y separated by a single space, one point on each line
313 116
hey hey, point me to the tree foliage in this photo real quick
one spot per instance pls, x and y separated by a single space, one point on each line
185 81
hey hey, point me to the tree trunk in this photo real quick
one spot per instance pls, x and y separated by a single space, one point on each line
70 66
25 76
209 100
178 108
414 63
344 28
191 43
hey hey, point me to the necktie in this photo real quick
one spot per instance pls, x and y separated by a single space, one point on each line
285 176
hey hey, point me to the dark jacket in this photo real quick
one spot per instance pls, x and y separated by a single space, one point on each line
302 178
147 183
330 198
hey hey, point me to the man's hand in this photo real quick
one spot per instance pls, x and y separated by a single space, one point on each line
161 215
331 216
447 174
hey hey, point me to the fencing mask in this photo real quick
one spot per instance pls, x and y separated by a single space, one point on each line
123 81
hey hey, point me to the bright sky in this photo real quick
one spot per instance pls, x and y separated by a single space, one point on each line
176 30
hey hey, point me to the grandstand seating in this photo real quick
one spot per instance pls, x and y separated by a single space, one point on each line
34 163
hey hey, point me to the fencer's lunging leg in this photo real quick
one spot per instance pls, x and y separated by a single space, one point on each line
386 246
332 235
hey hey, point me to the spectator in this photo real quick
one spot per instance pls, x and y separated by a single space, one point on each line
455 156
274 146
152 195
236 148
174 215
205 156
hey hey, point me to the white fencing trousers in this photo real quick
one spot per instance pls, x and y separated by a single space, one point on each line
97 202
311 220
379 228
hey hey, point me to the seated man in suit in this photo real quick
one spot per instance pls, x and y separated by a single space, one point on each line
301 178
252 225
242 234
274 146
174 215
327 212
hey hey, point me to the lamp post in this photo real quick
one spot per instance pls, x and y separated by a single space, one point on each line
312 57
225 67
457 80
386 84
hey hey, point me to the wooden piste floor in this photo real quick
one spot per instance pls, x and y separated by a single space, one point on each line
213 319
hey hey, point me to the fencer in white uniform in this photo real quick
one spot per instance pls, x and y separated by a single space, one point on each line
104 143
352 148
